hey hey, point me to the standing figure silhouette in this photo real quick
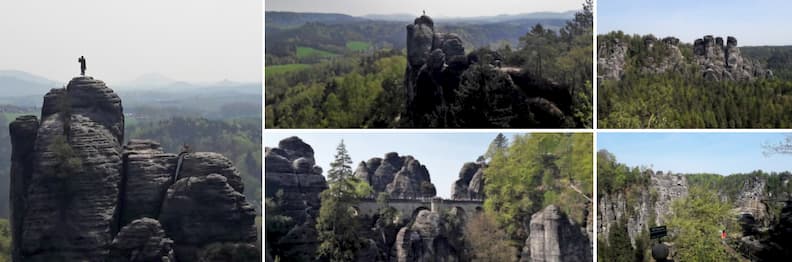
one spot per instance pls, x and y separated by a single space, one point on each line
81 60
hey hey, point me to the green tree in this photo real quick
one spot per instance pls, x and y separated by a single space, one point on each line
695 225
337 224
497 146
5 241
618 248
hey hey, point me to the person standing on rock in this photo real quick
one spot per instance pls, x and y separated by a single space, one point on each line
81 60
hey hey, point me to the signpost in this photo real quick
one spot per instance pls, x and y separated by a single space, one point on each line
657 232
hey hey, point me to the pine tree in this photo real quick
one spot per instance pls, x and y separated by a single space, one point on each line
498 145
337 224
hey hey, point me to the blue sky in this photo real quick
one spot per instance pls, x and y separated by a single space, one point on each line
442 154
756 22
720 153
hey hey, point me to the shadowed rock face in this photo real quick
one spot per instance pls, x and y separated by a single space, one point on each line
78 195
444 87
399 176
470 184
291 176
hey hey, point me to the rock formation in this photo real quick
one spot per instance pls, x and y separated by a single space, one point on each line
291 175
399 176
427 240
652 205
444 86
470 184
555 238
78 195
724 62
715 59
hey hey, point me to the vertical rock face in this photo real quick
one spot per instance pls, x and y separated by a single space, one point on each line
650 202
669 187
749 200
470 184
554 237
23 135
399 176
291 176
78 195
149 172
73 192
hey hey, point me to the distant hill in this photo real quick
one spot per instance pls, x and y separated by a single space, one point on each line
17 84
294 19
328 35
151 96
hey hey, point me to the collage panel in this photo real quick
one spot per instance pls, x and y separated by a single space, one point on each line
703 64
429 196
429 64
131 131
694 196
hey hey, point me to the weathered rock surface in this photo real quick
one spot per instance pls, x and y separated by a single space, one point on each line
715 59
142 240
297 186
555 237
651 206
78 195
202 210
149 173
399 176
426 240
70 210
470 184
436 71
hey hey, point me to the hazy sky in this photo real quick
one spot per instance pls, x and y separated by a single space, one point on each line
720 153
187 40
442 154
756 22
435 8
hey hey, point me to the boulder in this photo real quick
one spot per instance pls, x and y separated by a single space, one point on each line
142 240
202 210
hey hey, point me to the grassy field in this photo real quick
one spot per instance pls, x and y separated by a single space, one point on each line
280 69
12 116
357 46
303 52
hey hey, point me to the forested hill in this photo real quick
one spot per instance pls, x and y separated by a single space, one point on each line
238 140
309 37
647 82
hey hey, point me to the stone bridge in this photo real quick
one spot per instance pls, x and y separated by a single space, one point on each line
410 207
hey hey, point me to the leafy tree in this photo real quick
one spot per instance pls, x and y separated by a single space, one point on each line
695 225
536 171
486 240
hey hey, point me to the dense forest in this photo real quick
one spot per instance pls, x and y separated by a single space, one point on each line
535 171
692 219
238 140
353 83
684 98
